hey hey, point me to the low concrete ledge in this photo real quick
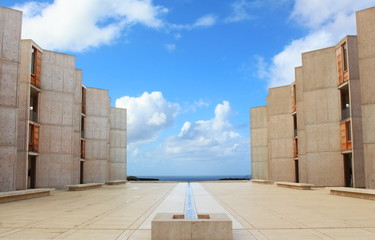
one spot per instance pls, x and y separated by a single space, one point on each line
368 194
300 186
116 182
212 226
24 194
261 181
82 187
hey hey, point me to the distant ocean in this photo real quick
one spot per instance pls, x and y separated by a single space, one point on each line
195 178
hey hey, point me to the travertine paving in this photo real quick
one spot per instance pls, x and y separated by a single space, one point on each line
124 212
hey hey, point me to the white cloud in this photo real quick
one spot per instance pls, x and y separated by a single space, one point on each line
239 11
202 22
328 21
170 47
148 115
213 139
78 25
205 21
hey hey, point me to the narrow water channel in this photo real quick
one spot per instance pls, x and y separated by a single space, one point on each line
190 211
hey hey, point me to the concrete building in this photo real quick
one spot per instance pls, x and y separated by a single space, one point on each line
366 56
58 131
10 33
324 120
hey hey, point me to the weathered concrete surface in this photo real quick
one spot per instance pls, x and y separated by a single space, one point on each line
117 146
280 134
10 33
259 143
97 128
366 55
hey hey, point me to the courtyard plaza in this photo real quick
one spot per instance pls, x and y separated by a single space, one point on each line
125 212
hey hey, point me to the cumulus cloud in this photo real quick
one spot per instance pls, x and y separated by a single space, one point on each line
78 25
214 139
205 21
148 115
327 21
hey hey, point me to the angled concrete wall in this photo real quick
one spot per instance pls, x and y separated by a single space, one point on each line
55 166
354 89
117 147
10 34
280 134
322 118
259 143
23 112
366 55
97 136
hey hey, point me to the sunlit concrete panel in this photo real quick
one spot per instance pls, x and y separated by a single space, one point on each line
10 34
259 143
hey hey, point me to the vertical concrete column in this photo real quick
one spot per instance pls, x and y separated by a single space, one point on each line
321 118
97 135
259 143
10 35
55 162
280 134
117 159
366 55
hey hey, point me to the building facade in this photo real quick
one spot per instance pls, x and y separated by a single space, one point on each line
320 128
60 129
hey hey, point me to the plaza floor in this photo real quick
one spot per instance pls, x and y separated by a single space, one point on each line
124 212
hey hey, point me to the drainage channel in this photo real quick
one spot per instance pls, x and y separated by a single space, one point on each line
190 211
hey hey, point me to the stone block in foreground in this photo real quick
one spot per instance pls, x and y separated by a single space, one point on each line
213 226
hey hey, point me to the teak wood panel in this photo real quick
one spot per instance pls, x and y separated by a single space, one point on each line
35 78
346 144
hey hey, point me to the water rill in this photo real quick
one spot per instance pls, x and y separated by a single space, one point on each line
190 211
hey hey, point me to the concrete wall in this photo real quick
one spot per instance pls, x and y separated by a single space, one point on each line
55 164
259 143
354 84
97 136
321 118
10 34
280 134
366 55
117 146
301 128
23 112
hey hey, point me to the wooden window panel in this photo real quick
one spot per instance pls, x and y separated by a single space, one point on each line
38 67
295 147
83 150
340 70
36 138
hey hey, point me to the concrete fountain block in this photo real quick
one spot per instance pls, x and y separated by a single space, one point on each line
213 226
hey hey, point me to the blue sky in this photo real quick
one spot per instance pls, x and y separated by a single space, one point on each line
188 71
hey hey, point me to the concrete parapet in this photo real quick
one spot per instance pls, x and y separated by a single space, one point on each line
24 194
368 194
213 226
116 182
262 181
